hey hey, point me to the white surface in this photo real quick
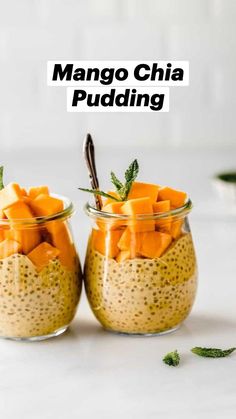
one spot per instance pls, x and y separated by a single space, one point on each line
89 373
201 31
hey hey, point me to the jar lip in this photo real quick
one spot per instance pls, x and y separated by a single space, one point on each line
65 213
181 211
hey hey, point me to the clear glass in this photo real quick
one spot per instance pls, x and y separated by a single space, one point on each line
141 273
39 294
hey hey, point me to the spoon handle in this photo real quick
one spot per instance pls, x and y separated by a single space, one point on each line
89 155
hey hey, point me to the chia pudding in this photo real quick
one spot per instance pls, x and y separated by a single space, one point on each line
34 303
143 295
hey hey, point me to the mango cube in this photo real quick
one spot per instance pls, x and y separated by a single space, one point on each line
28 237
62 240
154 244
139 206
130 242
106 243
175 229
41 255
176 198
164 224
10 195
19 210
44 205
35 191
141 190
109 224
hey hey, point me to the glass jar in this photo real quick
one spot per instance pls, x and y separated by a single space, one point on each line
40 276
140 272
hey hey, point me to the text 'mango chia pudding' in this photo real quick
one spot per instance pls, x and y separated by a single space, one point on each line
40 274
140 270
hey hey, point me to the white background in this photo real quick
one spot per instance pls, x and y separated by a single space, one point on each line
35 31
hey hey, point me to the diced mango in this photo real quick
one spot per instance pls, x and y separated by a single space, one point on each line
161 206
163 225
9 247
44 205
106 243
113 207
176 227
176 198
139 206
130 242
110 200
29 237
124 242
109 224
23 192
62 240
35 191
154 244
10 195
19 210
122 256
42 254
141 190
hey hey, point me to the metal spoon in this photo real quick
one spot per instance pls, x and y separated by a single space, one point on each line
89 155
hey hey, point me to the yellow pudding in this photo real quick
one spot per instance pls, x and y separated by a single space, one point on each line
143 295
36 303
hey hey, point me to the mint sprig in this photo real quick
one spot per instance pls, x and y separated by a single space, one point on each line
131 174
122 189
212 352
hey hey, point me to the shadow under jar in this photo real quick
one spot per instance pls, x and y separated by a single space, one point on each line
40 277
140 272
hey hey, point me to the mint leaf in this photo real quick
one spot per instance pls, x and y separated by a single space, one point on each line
212 352
132 171
101 193
172 358
130 176
118 185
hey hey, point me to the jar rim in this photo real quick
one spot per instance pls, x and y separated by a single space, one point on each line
91 211
67 212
